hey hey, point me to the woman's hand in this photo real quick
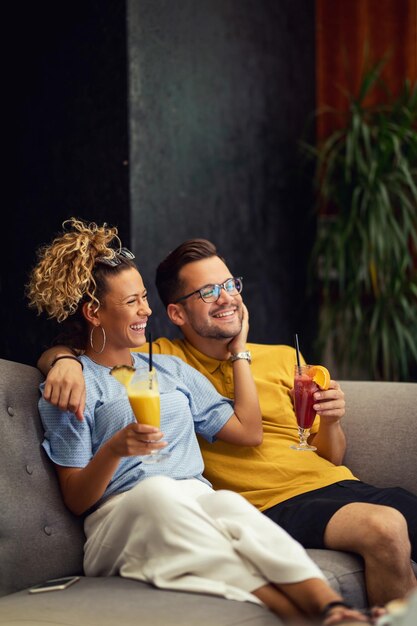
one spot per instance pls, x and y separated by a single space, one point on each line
136 440
82 487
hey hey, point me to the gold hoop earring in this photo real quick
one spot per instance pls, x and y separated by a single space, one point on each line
104 339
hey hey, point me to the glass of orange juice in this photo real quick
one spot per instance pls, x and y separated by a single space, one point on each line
144 398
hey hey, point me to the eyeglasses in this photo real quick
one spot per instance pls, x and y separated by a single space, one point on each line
211 293
116 260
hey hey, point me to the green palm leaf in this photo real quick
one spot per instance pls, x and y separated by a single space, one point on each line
366 171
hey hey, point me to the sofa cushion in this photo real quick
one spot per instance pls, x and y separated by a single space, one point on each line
344 571
379 425
113 600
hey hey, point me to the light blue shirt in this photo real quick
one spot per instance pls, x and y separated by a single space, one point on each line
189 404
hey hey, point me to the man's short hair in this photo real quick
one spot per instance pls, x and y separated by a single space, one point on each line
167 280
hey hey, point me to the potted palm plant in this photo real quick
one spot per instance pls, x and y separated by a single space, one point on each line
365 254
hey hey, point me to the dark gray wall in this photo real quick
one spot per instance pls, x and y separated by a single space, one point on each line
220 93
66 143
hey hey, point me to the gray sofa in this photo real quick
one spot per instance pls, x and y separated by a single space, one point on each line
40 539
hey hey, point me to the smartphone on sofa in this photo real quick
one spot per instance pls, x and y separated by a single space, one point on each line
55 584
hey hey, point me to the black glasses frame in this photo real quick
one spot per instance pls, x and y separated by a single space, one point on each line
238 286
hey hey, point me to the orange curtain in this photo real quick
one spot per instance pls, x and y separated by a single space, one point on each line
348 30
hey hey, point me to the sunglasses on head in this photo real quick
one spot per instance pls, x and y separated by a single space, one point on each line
123 253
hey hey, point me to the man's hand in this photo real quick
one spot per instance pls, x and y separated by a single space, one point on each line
330 439
238 343
65 387
330 404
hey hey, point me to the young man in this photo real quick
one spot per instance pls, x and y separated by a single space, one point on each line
316 499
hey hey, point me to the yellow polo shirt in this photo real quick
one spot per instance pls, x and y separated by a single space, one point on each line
272 472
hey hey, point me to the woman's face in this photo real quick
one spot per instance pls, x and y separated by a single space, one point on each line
124 311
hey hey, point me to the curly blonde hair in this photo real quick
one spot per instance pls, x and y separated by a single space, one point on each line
63 275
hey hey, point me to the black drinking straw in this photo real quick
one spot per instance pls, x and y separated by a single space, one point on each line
150 352
297 349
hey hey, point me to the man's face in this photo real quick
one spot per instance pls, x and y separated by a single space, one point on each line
215 320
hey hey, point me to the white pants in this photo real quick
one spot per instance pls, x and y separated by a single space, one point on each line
180 534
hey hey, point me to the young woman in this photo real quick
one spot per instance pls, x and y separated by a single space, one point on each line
159 523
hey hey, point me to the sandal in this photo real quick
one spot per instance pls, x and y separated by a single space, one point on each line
338 612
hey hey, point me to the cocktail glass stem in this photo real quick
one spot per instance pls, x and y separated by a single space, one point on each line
304 434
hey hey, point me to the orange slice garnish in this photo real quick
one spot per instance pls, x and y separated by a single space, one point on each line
123 373
320 375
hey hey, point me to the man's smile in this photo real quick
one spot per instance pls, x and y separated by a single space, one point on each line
224 314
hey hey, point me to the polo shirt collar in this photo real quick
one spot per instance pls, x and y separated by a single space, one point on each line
208 362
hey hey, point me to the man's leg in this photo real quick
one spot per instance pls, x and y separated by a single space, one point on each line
379 534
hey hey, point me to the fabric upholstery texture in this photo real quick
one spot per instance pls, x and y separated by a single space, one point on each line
380 426
119 601
41 539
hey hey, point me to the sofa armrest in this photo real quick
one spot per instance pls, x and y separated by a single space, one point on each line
39 537
380 426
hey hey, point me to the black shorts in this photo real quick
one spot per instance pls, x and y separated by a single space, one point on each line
306 516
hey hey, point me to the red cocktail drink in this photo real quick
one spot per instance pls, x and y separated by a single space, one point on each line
304 388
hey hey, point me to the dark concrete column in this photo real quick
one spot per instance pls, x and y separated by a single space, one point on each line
220 93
